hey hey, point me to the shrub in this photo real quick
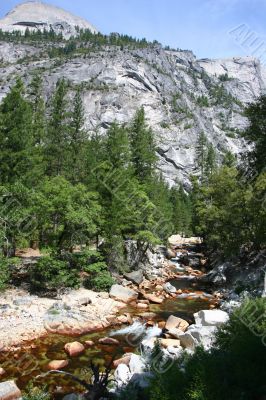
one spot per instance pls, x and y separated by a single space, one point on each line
99 277
4 273
233 369
51 273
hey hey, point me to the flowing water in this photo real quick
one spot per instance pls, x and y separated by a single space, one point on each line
25 366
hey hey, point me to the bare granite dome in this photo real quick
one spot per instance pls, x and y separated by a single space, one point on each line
37 15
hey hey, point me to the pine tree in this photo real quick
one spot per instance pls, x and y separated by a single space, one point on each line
38 108
15 135
78 139
56 146
210 162
201 150
143 147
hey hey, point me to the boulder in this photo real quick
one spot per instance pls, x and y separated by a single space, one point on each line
74 349
89 343
170 343
203 334
109 341
175 351
122 375
57 365
123 360
188 341
169 288
147 345
211 317
175 333
2 371
72 396
135 277
153 298
9 391
175 322
170 254
136 364
124 294
161 324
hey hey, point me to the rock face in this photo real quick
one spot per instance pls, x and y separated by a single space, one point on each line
9 391
182 96
36 15
121 293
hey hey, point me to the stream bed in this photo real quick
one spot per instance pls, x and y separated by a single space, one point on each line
25 365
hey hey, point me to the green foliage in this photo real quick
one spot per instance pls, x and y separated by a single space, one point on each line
99 278
224 77
235 360
4 273
36 393
51 273
203 101
143 147
220 208
256 133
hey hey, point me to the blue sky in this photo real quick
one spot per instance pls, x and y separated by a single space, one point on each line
198 25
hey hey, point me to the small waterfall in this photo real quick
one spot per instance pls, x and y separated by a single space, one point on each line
138 330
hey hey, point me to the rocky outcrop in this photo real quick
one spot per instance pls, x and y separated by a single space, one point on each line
35 15
182 96
121 293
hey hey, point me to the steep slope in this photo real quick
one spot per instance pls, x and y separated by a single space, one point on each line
37 15
182 96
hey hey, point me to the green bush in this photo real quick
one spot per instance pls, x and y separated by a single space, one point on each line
99 278
4 273
233 369
51 273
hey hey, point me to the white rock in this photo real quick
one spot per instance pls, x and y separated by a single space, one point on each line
188 341
211 317
203 334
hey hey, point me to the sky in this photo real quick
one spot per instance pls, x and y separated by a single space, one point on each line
210 28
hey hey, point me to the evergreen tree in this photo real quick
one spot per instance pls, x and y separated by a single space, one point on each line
38 108
56 146
15 135
256 133
201 153
210 162
77 140
143 147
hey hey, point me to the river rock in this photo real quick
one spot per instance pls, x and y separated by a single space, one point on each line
170 254
153 298
124 294
109 341
175 322
57 364
74 349
211 317
9 391
188 341
89 343
123 360
169 288
135 277
147 345
170 342
175 333
2 371
203 334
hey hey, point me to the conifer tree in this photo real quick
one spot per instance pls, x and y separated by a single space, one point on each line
15 135
143 147
57 139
